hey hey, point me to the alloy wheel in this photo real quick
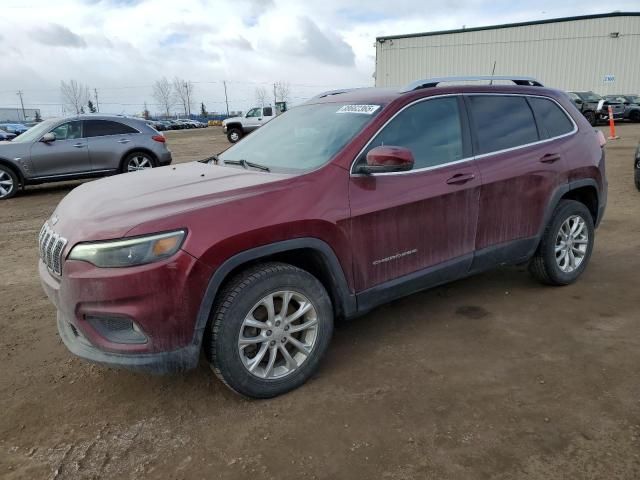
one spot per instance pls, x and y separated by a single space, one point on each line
278 335
234 136
6 184
139 162
572 242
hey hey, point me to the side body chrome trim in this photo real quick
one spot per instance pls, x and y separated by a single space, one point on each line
466 159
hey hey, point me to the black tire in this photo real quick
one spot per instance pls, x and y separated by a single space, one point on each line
237 300
9 183
634 116
234 135
636 174
544 266
591 117
133 155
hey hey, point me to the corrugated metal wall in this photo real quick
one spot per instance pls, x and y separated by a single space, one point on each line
572 55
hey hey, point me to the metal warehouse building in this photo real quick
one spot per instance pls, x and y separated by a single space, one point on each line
592 52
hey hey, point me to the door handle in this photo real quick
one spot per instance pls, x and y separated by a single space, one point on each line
260 119
124 140
460 178
550 158
78 145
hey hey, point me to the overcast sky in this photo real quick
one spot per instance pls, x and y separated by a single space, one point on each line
121 47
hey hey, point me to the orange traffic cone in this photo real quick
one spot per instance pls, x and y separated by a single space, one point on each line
612 126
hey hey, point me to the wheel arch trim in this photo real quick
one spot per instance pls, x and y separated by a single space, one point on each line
562 191
342 293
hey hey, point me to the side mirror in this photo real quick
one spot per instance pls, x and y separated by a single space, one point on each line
387 160
578 101
48 137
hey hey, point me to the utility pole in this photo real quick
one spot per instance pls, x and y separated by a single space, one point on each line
226 99
275 98
95 91
24 116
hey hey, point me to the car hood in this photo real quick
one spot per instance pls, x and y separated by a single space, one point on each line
111 207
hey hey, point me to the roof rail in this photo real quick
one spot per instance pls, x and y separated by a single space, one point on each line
433 82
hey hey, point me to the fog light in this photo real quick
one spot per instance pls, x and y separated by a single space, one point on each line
117 329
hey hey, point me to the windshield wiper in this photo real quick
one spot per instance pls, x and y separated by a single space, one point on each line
247 164
212 159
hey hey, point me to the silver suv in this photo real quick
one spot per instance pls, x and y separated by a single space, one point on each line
83 146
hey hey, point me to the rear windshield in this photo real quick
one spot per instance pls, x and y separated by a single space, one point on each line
303 138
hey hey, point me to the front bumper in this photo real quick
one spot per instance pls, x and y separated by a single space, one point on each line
158 301
158 363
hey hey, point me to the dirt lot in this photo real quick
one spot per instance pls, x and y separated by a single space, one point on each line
491 377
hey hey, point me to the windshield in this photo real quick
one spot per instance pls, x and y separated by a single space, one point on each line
35 132
303 138
633 99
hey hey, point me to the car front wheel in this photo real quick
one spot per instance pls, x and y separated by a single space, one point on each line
636 174
591 117
270 328
234 135
566 245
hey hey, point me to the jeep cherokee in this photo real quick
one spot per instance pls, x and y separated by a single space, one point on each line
353 199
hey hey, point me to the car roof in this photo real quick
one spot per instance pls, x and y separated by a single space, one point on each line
376 95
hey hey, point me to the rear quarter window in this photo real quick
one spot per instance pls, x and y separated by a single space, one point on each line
101 128
552 120
501 122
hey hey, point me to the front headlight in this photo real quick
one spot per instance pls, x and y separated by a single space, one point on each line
130 252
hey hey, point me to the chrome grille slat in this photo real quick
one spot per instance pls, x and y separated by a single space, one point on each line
51 246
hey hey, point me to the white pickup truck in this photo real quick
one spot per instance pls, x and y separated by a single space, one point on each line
237 127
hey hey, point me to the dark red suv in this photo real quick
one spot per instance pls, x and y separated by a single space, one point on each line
349 201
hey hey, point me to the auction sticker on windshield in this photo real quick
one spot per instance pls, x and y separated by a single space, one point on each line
366 109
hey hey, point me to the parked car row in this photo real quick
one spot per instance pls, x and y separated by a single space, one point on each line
179 124
14 128
595 108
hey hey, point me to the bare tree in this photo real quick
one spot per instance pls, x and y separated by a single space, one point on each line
183 90
163 94
261 96
282 91
74 95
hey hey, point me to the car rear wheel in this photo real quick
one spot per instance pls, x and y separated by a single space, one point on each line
591 117
234 135
636 174
270 328
8 183
137 161
566 245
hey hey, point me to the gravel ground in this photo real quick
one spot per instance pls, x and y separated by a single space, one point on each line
493 376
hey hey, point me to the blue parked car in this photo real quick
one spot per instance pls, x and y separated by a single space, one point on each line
16 128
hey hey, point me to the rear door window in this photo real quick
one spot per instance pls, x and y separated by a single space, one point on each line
268 111
552 121
431 129
501 122
101 128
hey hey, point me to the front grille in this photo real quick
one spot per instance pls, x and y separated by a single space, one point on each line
51 247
